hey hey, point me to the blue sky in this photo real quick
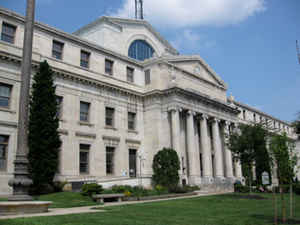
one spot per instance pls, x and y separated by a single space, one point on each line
249 43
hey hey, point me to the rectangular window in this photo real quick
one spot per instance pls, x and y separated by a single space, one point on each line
110 160
84 158
84 59
59 102
132 162
244 114
130 74
8 33
109 116
131 120
3 151
57 49
109 66
84 111
5 93
147 77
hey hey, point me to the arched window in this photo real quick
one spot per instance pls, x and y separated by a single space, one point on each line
140 50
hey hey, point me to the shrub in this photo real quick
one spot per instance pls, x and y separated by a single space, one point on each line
297 189
165 168
161 189
241 188
121 188
59 185
91 189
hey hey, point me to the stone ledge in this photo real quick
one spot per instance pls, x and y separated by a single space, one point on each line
19 208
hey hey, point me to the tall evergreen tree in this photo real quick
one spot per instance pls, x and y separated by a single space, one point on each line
43 137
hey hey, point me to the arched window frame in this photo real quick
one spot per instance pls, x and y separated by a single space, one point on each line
140 50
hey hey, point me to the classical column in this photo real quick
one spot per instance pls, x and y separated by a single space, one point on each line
175 120
206 152
217 148
21 182
193 155
228 155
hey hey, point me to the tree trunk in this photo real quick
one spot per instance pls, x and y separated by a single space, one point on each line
291 200
283 209
275 206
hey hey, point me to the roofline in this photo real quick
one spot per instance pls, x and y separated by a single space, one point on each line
260 112
116 20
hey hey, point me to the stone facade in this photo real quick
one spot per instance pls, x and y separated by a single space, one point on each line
181 104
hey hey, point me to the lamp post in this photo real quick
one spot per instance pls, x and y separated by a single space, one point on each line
20 183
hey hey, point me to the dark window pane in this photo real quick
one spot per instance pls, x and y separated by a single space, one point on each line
140 50
84 111
84 59
109 116
132 162
109 160
130 74
57 49
3 151
131 121
5 92
109 66
84 158
8 33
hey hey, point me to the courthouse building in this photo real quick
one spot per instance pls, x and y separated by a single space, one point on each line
124 93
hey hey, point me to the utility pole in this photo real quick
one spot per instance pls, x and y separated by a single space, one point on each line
20 183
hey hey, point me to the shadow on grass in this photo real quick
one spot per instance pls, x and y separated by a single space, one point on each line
244 196
270 219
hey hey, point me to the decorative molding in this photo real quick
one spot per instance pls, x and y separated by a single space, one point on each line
8 124
82 123
131 143
111 140
86 135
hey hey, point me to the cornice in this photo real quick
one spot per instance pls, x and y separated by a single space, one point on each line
242 105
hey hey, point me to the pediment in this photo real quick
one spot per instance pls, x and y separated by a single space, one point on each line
197 66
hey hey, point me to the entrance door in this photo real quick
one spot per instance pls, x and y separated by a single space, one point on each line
132 162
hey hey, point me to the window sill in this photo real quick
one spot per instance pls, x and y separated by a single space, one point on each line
7 110
132 131
110 128
83 123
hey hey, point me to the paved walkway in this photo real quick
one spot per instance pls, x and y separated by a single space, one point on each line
89 209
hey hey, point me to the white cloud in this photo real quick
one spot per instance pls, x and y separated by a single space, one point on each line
183 13
193 41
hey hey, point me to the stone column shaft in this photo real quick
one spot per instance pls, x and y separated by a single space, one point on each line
175 119
206 152
228 154
217 149
193 154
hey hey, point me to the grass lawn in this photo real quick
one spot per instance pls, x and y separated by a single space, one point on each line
66 200
210 210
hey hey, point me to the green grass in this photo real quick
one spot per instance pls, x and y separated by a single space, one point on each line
66 200
210 210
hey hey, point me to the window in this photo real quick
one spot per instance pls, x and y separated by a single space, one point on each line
84 59
130 74
84 158
254 117
5 92
109 116
140 50
8 33
109 66
57 49
132 162
59 101
131 120
110 160
244 114
147 77
3 151
84 111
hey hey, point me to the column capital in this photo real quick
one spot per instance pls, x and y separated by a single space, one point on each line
215 120
191 112
174 109
204 116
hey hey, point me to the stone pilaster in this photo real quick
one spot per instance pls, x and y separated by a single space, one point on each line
193 154
219 172
206 152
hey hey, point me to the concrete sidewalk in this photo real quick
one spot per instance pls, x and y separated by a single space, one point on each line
89 209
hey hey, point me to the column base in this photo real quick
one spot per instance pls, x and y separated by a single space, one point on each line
194 180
